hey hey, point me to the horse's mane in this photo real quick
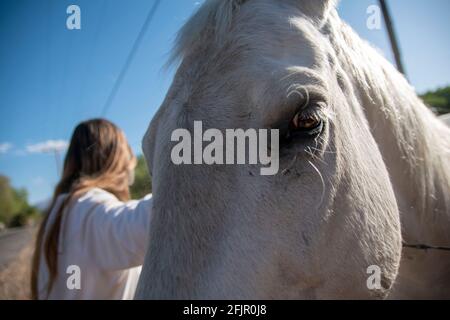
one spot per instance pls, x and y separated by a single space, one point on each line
422 139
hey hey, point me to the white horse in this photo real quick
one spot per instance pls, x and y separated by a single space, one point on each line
366 167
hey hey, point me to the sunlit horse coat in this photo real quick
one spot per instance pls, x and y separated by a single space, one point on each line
376 175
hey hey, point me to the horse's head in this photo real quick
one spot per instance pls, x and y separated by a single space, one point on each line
311 230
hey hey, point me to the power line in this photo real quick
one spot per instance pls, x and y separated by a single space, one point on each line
103 7
392 37
130 58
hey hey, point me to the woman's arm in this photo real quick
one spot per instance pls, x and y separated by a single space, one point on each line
116 233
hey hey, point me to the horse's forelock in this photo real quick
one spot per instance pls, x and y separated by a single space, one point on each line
214 19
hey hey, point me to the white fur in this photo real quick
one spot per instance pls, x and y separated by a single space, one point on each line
335 209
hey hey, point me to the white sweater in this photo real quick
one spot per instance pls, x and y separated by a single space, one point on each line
103 238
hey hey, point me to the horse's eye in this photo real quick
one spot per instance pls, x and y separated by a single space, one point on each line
305 123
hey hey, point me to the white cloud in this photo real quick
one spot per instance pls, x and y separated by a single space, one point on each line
48 146
38 181
5 147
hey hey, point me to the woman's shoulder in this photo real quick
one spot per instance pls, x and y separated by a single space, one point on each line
100 198
97 195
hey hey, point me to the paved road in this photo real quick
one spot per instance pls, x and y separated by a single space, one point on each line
12 242
446 119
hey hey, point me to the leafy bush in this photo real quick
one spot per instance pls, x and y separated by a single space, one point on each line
27 217
14 208
438 101
142 180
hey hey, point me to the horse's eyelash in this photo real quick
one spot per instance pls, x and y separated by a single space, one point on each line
308 113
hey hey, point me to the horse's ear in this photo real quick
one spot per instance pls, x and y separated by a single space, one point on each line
318 10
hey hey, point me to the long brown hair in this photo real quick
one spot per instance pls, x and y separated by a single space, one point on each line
98 156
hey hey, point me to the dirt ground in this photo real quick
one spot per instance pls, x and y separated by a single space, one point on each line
15 277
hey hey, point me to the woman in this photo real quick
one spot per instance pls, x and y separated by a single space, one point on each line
93 239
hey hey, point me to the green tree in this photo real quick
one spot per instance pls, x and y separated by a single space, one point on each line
142 181
25 217
7 202
14 208
438 100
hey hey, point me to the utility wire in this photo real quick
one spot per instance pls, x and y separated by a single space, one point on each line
392 37
93 49
130 58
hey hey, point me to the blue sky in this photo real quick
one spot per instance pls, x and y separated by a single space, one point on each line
51 77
